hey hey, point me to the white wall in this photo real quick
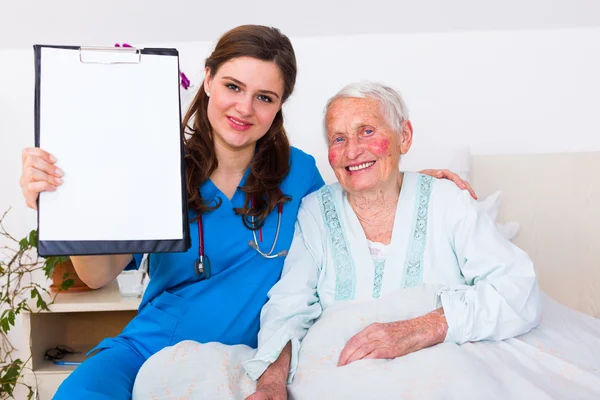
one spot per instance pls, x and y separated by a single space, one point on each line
498 92
97 22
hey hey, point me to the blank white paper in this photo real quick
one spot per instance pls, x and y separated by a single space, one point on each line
115 131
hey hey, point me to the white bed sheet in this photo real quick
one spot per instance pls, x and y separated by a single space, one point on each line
560 359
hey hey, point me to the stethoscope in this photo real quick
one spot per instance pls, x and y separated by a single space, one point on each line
202 263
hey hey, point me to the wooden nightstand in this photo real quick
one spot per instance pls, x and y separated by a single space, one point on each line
77 320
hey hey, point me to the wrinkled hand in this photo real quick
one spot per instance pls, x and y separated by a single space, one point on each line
447 174
272 384
273 391
395 339
39 174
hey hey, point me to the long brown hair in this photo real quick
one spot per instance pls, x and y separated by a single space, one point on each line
271 161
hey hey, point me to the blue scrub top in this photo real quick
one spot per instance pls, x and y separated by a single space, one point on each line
225 308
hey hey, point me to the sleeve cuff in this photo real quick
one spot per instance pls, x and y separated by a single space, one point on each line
450 299
135 262
268 353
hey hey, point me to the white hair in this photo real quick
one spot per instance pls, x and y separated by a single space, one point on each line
392 104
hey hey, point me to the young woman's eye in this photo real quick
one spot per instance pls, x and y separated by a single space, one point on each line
264 98
232 86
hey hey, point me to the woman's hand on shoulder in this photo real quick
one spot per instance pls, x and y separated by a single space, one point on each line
39 174
451 176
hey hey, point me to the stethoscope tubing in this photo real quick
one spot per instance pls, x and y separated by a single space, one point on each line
255 245
252 243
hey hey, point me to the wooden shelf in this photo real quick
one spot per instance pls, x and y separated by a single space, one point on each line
107 298
78 320
49 368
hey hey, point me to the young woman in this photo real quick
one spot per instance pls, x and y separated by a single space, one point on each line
244 185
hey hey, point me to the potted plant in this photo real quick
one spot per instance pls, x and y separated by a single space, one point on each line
19 263
61 270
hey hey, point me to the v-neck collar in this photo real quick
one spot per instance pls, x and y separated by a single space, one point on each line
361 251
210 191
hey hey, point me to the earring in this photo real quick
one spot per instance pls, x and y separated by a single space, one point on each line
207 94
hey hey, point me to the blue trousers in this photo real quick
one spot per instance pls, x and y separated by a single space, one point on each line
108 374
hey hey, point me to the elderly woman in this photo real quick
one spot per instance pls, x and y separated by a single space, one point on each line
379 231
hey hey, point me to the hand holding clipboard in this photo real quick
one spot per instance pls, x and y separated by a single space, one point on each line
111 118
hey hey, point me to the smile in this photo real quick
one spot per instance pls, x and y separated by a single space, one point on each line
238 124
360 167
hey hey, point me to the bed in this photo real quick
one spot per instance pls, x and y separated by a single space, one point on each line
553 197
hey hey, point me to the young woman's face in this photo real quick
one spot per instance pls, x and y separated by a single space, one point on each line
244 97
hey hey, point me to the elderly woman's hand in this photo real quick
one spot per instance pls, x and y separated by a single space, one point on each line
274 391
395 339
272 384
447 174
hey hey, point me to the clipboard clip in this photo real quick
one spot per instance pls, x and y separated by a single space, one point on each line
110 55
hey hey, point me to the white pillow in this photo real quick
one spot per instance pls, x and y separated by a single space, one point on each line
491 206
457 160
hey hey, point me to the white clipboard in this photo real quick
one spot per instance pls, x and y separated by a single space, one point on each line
112 118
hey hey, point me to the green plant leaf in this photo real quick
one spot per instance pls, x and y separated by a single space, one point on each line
67 283
33 238
49 265
7 319
23 244
20 307
40 303
9 375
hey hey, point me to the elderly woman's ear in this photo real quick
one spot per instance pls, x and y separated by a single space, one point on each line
406 137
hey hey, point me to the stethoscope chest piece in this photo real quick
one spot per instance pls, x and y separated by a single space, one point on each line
202 267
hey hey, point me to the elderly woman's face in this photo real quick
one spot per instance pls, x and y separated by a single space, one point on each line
364 151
